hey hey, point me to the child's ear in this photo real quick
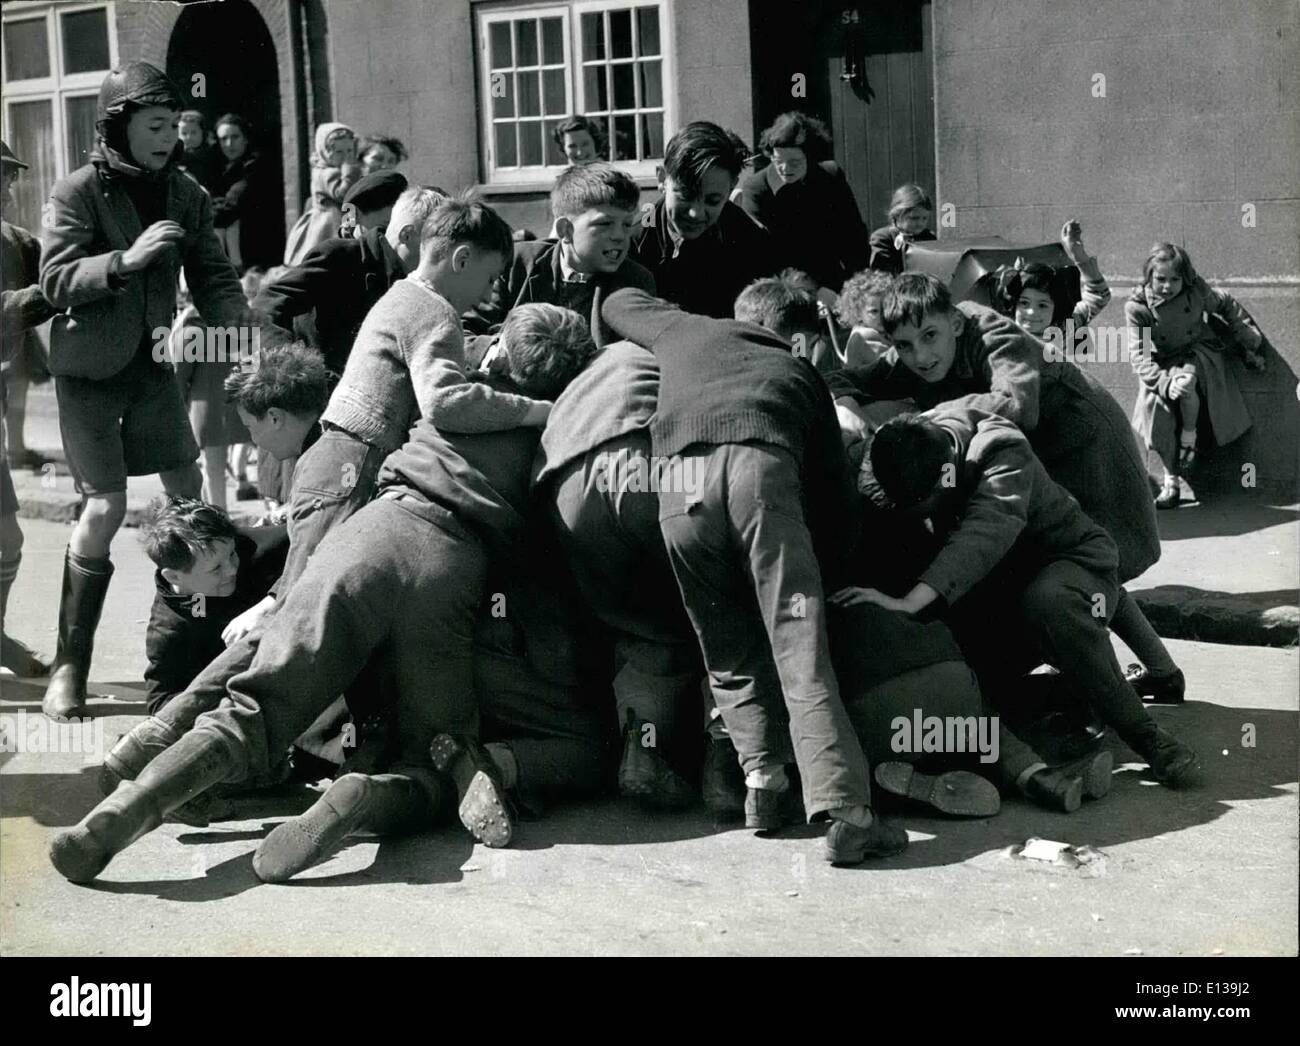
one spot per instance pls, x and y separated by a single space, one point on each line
460 257
564 229
958 322
275 416
661 175
171 575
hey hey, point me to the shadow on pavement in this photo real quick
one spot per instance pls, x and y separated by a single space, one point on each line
1137 807
1227 517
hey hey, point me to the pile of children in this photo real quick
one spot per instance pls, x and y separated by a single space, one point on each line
526 561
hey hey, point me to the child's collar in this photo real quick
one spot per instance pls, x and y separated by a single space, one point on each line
568 272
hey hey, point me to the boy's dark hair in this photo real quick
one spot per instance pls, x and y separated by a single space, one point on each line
579 123
783 304
465 219
907 455
177 530
547 345
292 377
579 189
696 148
1163 252
906 197
860 291
798 130
911 297
393 145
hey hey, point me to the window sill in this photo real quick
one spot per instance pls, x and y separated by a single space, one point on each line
645 181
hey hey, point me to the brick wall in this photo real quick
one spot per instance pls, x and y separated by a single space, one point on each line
1200 117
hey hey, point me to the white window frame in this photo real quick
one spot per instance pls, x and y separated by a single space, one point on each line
571 13
57 88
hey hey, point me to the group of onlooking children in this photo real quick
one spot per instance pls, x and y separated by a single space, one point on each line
491 594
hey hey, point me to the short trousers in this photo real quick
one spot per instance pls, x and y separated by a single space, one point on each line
132 424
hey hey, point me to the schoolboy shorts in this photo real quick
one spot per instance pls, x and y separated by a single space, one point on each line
132 424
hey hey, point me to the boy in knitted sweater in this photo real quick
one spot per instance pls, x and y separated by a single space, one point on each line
752 426
408 363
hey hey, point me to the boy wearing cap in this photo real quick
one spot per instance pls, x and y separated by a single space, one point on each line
117 233
369 203
24 307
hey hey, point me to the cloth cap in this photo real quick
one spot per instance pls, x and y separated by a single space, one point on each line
376 191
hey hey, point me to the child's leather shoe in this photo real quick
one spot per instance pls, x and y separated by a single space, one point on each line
848 844
1168 689
957 793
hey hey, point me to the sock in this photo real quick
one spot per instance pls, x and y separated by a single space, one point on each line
770 777
859 816
89 564
504 757
1187 439
1132 626
1029 772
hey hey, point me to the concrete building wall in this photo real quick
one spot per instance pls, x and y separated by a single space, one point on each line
1200 118
407 67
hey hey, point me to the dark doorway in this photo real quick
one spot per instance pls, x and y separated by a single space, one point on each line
229 45
869 75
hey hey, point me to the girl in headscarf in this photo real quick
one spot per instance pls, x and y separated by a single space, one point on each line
334 169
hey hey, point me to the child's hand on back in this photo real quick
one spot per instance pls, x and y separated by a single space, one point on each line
151 245
1179 385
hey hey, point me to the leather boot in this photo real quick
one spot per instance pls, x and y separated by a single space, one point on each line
85 584
385 804
645 774
723 781
480 793
1173 763
195 763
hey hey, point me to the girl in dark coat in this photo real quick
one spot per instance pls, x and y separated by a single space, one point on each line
803 199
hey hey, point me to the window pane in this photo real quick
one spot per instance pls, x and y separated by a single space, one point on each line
647 27
652 134
620 34
596 97
507 154
553 92
531 152
554 154
499 39
623 91
85 41
79 118
552 41
27 55
652 84
526 42
530 95
30 133
501 86
623 143
593 37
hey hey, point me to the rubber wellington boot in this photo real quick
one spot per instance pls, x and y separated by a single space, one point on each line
385 804
16 655
85 584
195 763
135 750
